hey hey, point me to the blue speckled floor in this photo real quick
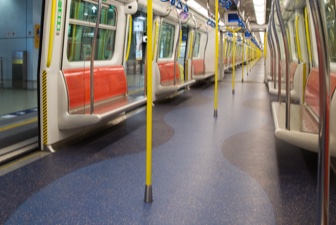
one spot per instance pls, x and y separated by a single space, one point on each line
229 170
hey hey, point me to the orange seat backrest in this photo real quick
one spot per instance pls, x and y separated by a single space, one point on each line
109 82
167 71
198 65
312 94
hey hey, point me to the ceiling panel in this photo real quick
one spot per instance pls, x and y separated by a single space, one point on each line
245 6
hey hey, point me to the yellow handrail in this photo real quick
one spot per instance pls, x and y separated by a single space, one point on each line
180 41
243 57
297 38
216 64
51 32
233 30
149 111
307 35
129 37
233 62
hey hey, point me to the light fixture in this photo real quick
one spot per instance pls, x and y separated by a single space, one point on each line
201 10
261 35
198 8
260 11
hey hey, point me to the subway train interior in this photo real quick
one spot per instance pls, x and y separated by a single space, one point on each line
168 112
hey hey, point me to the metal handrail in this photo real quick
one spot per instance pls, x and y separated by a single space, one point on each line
279 56
285 40
1 71
194 41
276 55
272 51
319 19
94 41
205 47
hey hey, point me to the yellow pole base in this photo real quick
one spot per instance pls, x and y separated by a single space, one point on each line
148 194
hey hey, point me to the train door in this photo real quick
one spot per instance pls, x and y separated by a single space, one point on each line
136 54
19 56
183 53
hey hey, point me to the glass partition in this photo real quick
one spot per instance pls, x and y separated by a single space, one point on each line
135 64
19 56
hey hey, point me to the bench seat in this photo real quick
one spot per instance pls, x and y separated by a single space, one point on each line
304 119
168 85
110 96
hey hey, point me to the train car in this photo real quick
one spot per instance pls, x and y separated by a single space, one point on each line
90 60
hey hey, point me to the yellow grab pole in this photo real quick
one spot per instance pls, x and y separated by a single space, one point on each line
251 56
216 64
233 62
51 33
243 56
149 113
247 58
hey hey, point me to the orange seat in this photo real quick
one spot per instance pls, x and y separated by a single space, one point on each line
312 89
198 65
312 98
109 82
167 72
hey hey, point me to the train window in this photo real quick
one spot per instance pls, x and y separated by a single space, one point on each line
197 44
331 27
83 16
166 40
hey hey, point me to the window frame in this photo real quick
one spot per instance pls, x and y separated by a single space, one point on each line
88 24
172 47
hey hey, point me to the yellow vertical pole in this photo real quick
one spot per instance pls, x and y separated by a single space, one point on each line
149 113
233 62
250 56
216 64
243 57
247 57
